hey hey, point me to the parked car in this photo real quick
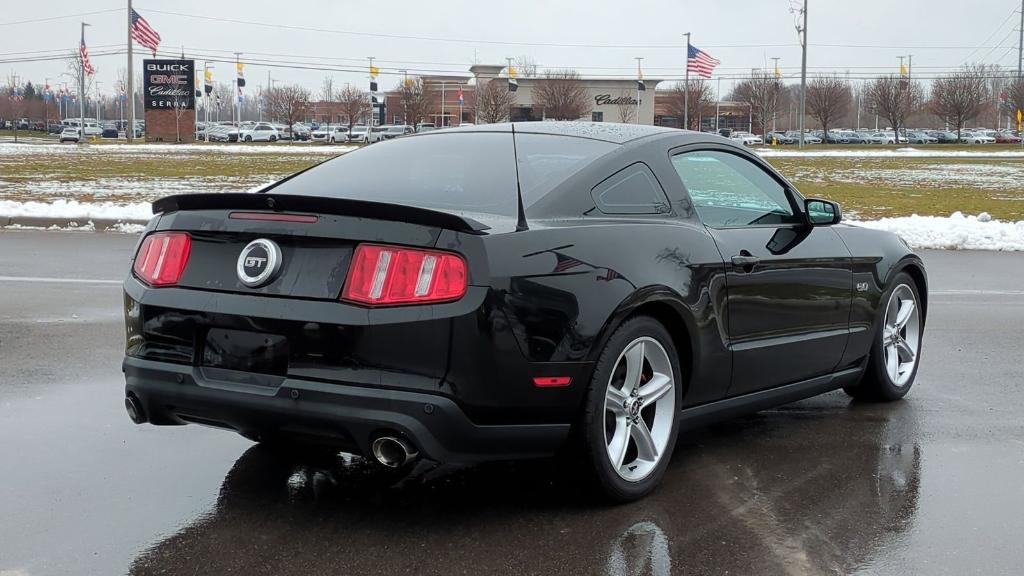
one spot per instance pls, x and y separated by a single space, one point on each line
359 133
781 137
1007 137
376 134
808 137
746 138
425 127
70 134
944 136
846 137
878 137
24 124
54 127
330 134
967 137
109 130
260 132
397 130
915 137
387 333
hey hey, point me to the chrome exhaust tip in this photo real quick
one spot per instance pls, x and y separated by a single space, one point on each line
134 408
393 452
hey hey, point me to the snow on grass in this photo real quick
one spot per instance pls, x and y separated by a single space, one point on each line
11 148
955 232
75 210
889 153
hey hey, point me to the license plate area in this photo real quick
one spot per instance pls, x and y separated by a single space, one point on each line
244 351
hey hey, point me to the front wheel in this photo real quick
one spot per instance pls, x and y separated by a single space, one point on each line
896 351
273 138
629 424
248 138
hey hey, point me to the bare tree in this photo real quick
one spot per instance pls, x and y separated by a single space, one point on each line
73 63
626 104
1015 96
894 98
960 96
179 103
699 99
492 102
327 89
354 103
761 91
287 102
562 95
828 98
415 101
525 66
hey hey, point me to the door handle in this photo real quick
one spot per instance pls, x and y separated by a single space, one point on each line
745 261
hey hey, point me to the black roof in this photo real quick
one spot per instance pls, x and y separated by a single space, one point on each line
607 131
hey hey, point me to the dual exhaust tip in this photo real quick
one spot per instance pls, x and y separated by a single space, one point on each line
392 451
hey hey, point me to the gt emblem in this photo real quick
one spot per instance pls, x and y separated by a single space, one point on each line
862 286
258 263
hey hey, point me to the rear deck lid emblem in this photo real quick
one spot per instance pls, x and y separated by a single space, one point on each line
259 263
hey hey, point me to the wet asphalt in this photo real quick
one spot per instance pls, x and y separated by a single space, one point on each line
930 485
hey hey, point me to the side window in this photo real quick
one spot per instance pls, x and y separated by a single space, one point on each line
632 190
729 190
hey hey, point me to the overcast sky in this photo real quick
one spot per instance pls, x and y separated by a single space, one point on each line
743 34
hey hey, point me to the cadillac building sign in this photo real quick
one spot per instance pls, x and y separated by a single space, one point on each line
168 93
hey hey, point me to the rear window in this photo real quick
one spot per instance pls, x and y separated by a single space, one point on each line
455 172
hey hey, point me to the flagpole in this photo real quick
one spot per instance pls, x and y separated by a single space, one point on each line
130 129
686 87
81 88
639 79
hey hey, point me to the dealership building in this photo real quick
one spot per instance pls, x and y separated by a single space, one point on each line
609 100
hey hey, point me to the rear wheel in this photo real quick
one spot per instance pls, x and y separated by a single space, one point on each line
894 357
273 138
248 138
629 423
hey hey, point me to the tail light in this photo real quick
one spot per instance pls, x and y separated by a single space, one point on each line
162 258
383 275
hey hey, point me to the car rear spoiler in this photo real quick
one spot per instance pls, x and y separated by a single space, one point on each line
319 205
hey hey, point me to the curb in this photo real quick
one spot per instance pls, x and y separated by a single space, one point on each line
98 224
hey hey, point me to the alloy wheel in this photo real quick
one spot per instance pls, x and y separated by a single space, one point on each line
639 409
901 335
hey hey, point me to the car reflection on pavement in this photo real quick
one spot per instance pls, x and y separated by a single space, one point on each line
782 491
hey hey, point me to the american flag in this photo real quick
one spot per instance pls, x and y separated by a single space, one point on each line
86 63
143 33
700 62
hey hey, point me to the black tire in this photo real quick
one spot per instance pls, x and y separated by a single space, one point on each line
273 138
875 384
248 138
592 424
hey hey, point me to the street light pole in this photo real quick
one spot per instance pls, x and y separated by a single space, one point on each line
639 79
803 74
686 87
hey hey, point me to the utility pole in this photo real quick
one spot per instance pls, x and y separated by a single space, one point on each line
238 92
1020 42
130 129
803 73
778 75
639 79
686 87
718 103
369 123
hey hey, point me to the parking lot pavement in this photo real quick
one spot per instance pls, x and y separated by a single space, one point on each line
930 485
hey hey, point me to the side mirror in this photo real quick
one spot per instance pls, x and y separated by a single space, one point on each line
822 212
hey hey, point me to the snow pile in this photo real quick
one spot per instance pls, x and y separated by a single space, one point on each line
820 152
73 209
956 232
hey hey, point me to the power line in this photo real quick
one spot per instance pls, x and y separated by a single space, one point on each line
50 18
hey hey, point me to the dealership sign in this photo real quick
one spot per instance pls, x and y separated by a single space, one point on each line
607 100
167 84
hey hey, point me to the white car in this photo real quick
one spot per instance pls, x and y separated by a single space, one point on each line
330 134
70 134
880 137
359 133
261 132
976 138
746 138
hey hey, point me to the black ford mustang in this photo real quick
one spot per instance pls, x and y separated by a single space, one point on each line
480 293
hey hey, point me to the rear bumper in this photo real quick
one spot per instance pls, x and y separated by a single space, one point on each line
344 415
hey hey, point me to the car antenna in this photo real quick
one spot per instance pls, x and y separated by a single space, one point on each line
521 222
